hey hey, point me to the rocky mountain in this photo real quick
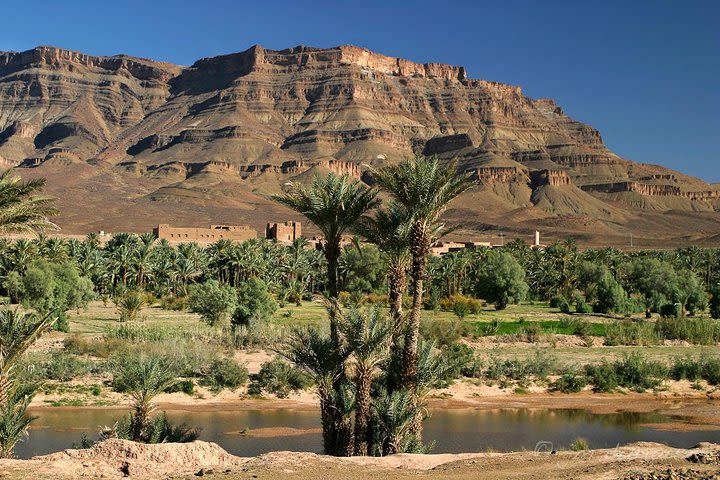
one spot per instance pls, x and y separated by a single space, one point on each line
127 143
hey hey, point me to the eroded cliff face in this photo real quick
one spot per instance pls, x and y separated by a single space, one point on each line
233 127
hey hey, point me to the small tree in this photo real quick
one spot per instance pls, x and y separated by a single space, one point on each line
254 303
212 300
501 280
53 287
129 304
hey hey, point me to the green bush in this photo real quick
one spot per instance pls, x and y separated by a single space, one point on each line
634 371
711 371
185 386
462 361
281 379
254 303
160 430
558 300
569 383
174 302
212 300
48 287
225 373
686 369
602 377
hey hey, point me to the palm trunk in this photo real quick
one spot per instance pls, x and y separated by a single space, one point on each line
408 377
362 410
396 290
332 254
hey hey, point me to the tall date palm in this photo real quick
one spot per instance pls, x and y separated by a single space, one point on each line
424 187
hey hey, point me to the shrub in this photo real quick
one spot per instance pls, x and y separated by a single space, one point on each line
48 287
602 377
226 373
532 332
581 306
634 371
94 347
185 386
581 328
461 305
57 365
686 369
671 310
579 444
442 332
212 300
557 300
462 361
569 383
280 378
174 302
711 371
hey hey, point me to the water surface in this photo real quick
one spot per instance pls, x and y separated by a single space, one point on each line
452 430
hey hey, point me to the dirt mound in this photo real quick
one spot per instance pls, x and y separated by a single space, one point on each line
119 458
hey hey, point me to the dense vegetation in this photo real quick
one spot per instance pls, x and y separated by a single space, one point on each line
376 359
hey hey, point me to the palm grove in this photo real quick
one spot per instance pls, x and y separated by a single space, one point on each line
370 366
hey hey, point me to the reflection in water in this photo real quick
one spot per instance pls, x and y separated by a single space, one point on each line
466 430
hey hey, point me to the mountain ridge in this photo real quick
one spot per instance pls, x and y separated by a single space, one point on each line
219 136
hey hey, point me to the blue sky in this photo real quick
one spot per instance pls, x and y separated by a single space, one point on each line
645 73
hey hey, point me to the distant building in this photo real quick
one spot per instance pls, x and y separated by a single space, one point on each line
286 232
238 233
441 248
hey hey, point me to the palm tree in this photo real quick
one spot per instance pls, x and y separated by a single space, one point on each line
424 187
388 230
368 334
319 357
144 377
18 331
21 210
334 204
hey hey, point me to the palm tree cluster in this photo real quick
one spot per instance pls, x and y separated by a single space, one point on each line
139 262
365 386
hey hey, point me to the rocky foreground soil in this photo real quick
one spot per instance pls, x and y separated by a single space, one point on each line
119 459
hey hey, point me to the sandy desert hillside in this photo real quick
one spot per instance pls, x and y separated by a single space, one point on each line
127 143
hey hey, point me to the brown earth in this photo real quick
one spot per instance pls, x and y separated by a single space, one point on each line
141 141
118 459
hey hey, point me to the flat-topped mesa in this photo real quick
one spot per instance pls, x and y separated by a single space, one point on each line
652 190
398 66
302 55
140 68
549 177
